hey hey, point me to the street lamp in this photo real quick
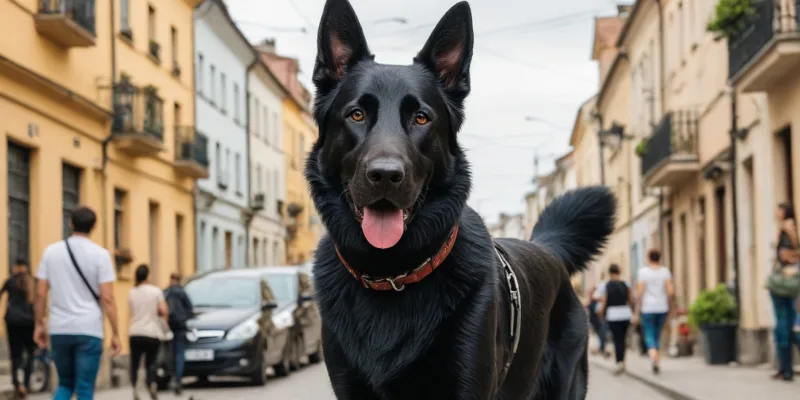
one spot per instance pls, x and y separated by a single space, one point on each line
614 136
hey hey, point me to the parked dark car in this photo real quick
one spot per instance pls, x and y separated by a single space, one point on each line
293 289
240 327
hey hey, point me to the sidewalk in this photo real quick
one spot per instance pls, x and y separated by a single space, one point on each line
691 378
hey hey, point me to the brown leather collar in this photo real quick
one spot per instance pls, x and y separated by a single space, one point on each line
399 282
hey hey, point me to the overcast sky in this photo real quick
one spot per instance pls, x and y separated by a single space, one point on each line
532 58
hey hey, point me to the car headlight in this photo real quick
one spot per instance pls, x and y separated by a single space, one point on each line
245 330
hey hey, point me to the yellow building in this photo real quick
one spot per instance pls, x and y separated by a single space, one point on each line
92 111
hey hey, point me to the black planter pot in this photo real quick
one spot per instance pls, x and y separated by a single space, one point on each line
719 343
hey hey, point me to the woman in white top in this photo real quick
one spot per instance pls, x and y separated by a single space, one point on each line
653 295
148 313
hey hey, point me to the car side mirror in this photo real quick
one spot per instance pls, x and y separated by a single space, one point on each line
269 305
304 298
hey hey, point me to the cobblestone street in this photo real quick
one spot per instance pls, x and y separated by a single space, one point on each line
312 384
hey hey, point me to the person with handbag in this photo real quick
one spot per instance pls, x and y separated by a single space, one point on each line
784 287
19 324
148 311
78 276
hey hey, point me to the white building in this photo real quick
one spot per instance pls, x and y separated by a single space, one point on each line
267 167
222 57
509 226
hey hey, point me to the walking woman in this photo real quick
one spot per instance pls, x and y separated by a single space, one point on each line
615 306
595 319
19 323
653 296
787 256
148 321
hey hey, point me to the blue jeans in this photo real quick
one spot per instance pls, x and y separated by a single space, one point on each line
785 315
598 324
179 353
652 323
77 359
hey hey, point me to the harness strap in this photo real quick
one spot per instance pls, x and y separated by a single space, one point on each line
516 309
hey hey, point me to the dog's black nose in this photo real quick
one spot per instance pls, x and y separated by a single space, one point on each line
386 171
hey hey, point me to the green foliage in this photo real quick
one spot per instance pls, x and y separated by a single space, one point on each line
641 147
713 306
730 17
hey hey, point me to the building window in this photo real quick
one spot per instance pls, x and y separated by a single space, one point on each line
258 179
213 88
119 219
266 124
218 160
178 243
267 187
71 193
222 89
174 45
301 150
202 247
200 73
227 166
275 132
123 15
236 102
151 23
255 252
238 173
257 120
154 238
176 110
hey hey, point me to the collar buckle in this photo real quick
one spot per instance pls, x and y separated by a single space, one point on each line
368 282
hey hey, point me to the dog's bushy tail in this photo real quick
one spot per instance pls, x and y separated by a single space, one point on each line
576 225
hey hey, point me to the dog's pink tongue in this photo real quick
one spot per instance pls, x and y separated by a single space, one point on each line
382 228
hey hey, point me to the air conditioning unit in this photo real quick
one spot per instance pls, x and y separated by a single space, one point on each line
258 202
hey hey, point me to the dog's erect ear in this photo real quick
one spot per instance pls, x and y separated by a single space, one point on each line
340 44
448 51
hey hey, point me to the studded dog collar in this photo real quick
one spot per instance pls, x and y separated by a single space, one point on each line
399 282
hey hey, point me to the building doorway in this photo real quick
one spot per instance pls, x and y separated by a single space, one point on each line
785 143
228 249
684 261
722 245
701 243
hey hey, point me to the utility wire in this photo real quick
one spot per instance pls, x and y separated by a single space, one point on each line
302 15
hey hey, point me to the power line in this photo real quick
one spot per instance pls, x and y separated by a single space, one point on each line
299 12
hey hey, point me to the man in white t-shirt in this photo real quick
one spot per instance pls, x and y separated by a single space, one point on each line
78 301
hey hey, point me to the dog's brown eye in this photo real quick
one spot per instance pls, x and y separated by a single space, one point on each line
357 115
421 118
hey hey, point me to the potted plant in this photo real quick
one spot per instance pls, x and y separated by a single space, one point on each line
730 17
155 49
641 148
714 313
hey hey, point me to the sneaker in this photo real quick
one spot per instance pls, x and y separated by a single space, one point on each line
153 390
620 369
136 395
656 369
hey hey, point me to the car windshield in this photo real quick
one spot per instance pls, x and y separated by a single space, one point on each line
224 292
283 286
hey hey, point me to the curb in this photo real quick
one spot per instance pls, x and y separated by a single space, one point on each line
662 388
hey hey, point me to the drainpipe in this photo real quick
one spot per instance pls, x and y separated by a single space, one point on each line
662 85
247 136
195 188
107 140
734 134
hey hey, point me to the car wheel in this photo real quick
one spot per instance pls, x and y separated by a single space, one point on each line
259 375
316 357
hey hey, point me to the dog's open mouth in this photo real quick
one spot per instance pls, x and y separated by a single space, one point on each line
382 222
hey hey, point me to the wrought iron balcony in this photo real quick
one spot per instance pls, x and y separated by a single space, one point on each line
138 124
767 47
191 152
70 23
671 153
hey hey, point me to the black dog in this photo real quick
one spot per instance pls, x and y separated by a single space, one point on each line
415 300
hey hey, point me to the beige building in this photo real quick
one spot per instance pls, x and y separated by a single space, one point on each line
666 111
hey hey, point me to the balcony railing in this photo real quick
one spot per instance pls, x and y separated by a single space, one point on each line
191 152
772 17
68 22
138 111
191 145
675 139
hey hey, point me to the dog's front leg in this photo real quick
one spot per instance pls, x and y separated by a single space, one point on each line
346 382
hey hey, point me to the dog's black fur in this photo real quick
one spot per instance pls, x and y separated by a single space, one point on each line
448 336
